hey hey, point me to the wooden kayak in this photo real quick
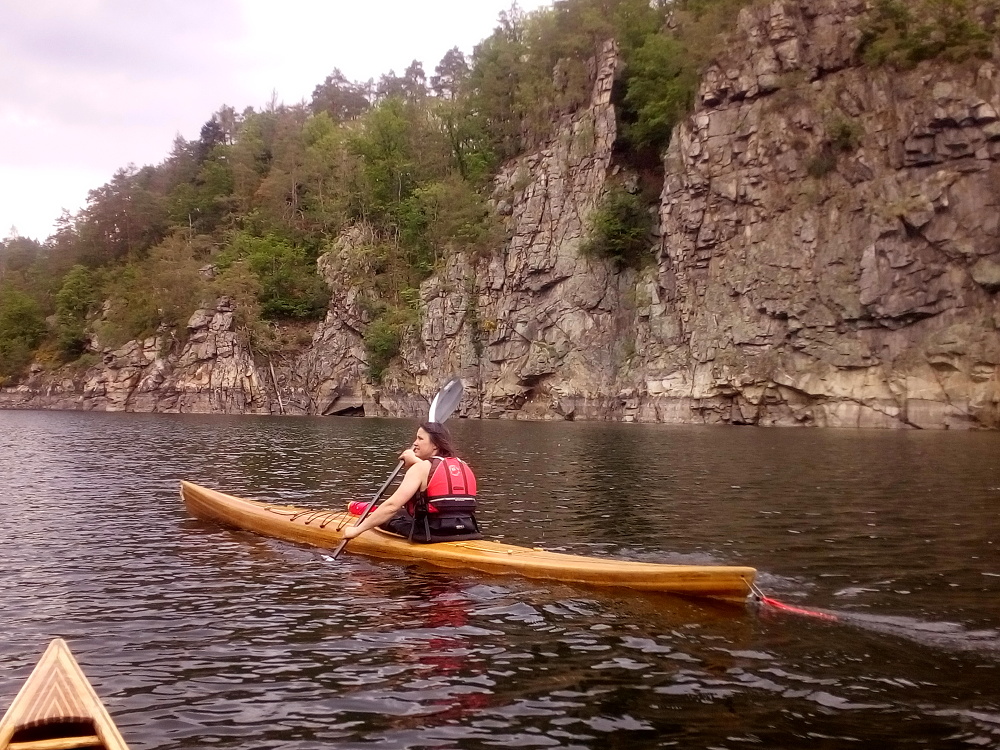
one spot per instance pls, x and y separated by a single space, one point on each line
57 709
322 528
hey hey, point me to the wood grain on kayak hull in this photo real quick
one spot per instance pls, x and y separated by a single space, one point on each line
323 529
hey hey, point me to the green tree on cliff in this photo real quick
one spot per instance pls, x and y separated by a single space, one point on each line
411 160
903 34
75 299
22 328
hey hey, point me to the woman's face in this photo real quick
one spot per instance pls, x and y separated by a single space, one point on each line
423 446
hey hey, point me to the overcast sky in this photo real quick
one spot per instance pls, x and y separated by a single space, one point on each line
89 86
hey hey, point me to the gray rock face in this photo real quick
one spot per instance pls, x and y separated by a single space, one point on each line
214 372
826 252
828 239
825 295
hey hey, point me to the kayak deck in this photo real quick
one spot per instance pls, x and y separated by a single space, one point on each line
324 529
57 709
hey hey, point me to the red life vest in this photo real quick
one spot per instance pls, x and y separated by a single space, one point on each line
445 511
450 478
451 485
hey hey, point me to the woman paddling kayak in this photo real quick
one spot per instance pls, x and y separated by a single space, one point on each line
436 500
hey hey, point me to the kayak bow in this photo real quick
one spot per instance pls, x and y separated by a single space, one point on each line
324 529
57 709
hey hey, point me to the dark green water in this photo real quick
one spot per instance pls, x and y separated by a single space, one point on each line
197 636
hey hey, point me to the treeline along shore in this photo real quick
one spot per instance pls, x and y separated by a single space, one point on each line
697 211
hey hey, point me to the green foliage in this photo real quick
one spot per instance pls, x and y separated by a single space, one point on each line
496 86
660 91
663 67
279 201
22 328
620 229
902 33
212 135
410 87
411 298
449 213
74 300
17 256
131 312
478 328
471 152
160 292
34 268
123 218
286 274
85 361
202 203
260 193
327 173
844 135
388 168
408 190
382 338
250 158
340 98
77 294
238 282
535 67
822 164
174 280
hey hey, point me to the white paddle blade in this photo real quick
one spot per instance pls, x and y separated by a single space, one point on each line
446 401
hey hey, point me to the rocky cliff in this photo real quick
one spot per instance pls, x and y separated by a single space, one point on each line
831 245
827 253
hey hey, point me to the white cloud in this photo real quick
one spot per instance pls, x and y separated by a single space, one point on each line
32 198
363 39
89 86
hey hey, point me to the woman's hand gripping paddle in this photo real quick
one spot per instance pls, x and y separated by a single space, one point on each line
444 403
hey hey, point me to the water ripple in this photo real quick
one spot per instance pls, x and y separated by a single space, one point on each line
196 635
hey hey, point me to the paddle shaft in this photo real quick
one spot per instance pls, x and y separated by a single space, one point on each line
442 406
371 504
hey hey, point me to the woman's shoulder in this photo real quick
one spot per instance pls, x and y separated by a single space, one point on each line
421 465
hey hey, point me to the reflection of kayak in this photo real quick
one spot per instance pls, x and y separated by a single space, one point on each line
57 709
322 528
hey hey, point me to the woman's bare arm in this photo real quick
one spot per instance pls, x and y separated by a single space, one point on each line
413 480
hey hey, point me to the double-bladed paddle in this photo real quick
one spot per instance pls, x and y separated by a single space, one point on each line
442 406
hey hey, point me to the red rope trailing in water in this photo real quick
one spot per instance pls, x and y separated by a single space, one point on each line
759 595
